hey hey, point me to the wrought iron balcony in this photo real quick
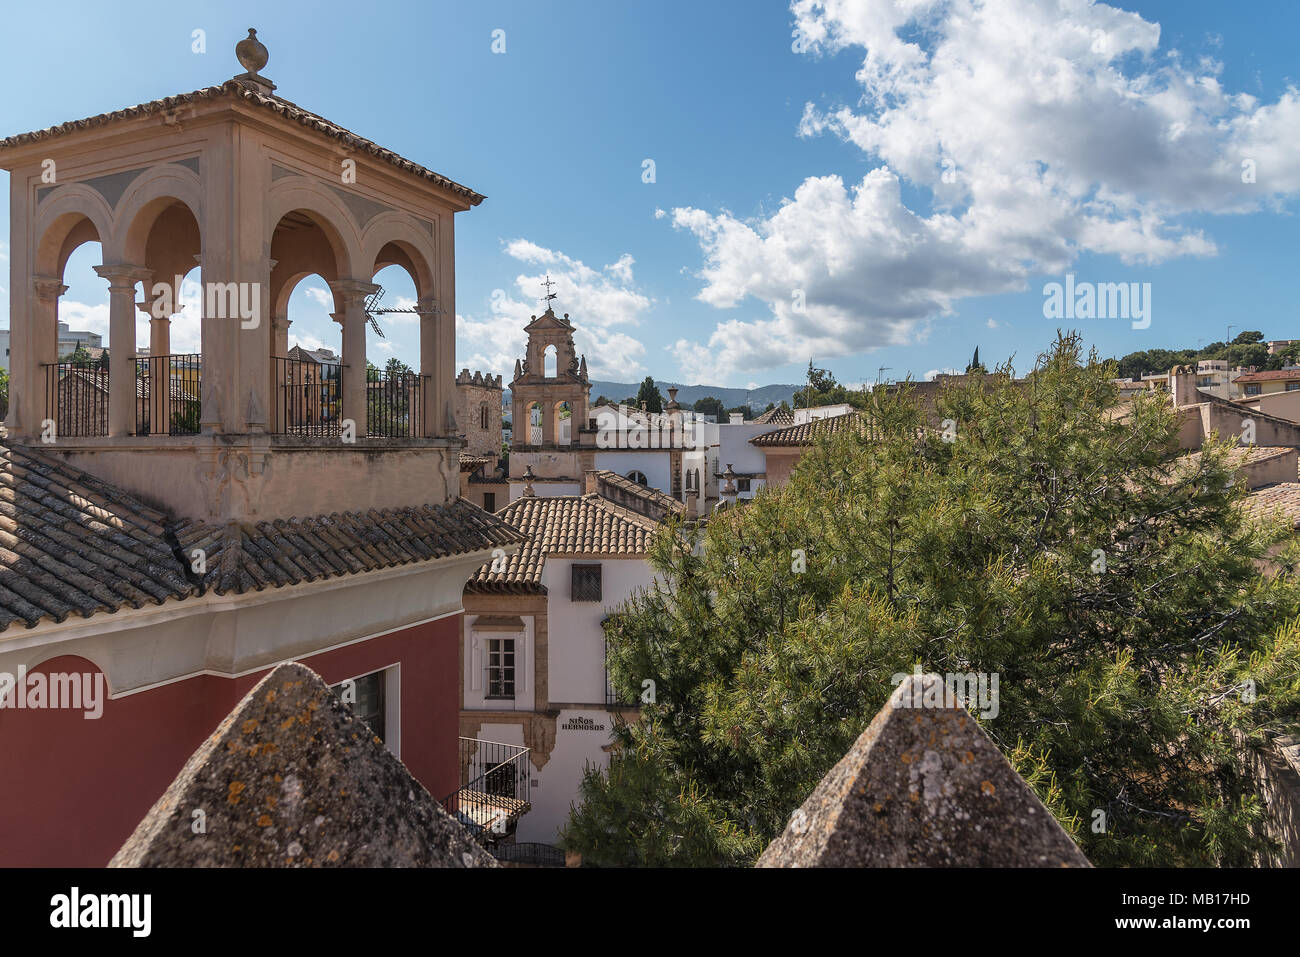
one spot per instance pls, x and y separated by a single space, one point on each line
494 788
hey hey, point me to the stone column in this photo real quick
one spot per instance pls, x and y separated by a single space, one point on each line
431 369
45 344
160 370
352 294
121 344
550 423
276 416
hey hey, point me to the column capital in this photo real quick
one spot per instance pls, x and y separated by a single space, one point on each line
47 289
350 290
427 308
121 276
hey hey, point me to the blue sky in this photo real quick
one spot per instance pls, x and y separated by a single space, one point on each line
1103 141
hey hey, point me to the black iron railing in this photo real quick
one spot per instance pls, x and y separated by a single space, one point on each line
167 394
494 790
76 398
528 855
308 397
394 406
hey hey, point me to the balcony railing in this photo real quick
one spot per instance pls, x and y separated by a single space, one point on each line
394 407
308 397
494 788
529 855
76 397
167 393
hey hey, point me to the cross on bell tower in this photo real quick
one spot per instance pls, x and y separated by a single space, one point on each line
546 300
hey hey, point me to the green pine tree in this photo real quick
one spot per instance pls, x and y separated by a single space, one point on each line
1112 585
649 394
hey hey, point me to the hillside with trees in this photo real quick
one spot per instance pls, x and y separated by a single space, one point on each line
1247 349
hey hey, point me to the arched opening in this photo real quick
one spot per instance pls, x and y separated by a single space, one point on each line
550 362
639 477
72 341
563 423
164 236
306 342
483 416
533 417
393 384
308 375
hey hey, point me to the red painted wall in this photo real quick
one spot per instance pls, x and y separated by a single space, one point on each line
72 790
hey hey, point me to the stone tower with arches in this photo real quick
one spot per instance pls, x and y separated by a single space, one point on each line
551 379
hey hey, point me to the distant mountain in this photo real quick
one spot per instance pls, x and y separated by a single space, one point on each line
756 399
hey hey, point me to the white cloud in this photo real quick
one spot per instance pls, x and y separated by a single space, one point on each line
602 304
1040 131
322 297
992 323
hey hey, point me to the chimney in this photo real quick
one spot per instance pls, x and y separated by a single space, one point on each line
1182 386
692 504
736 418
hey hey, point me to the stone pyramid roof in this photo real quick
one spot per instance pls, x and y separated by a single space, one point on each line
923 786
291 778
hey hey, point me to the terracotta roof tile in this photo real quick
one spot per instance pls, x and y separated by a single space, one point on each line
777 416
238 92
650 498
563 525
806 433
1281 498
72 544
247 557
1272 375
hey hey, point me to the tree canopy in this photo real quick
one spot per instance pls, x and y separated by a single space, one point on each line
822 389
649 394
1111 584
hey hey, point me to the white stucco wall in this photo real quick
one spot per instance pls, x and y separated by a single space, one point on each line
545 489
655 463
575 640
581 736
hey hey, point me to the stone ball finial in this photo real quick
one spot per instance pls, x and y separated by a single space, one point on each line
252 53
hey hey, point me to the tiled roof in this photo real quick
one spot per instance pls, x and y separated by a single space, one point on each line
244 557
652 497
470 462
806 433
1282 497
1274 375
562 525
237 91
72 544
1241 456
777 416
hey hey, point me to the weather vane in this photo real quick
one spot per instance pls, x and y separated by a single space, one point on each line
549 295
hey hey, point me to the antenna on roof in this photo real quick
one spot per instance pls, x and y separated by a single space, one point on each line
373 309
